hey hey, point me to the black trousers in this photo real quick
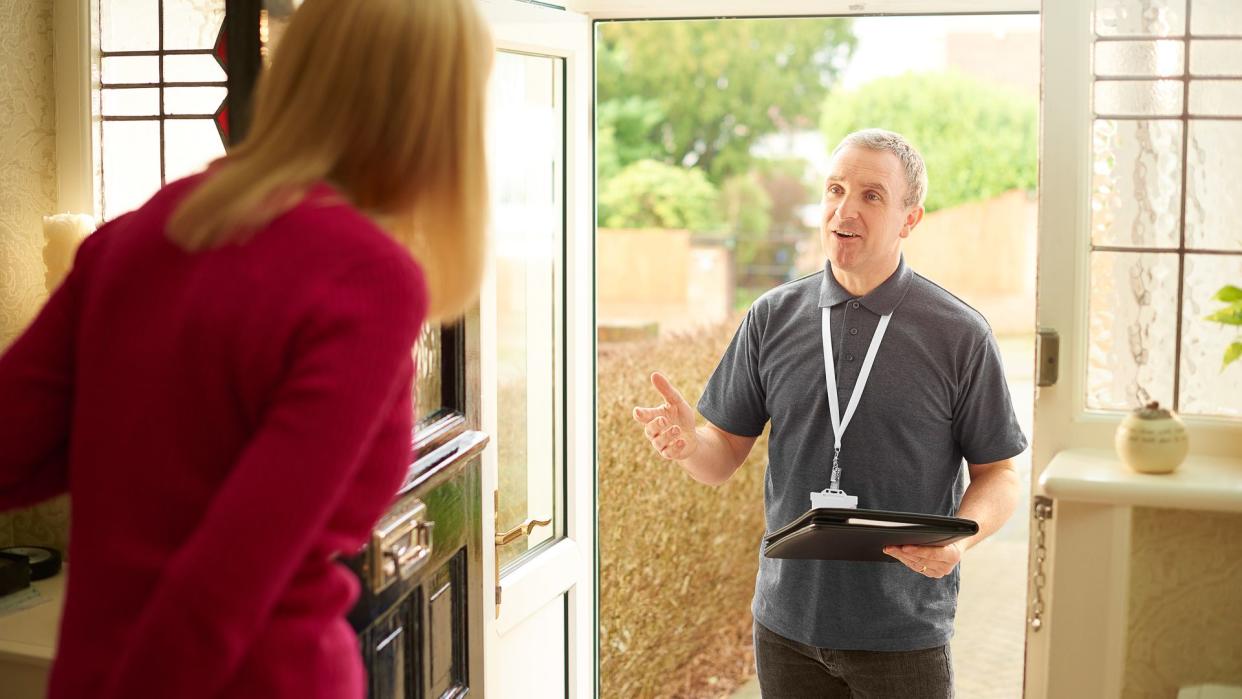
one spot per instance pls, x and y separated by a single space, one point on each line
792 670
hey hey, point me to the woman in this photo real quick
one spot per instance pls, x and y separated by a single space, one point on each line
223 380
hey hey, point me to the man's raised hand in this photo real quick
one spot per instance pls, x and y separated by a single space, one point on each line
670 426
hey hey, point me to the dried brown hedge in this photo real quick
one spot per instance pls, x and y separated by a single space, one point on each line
677 558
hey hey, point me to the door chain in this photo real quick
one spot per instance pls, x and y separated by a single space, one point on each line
1043 513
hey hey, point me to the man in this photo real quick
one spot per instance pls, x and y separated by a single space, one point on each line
936 398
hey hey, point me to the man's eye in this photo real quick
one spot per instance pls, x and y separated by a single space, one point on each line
873 196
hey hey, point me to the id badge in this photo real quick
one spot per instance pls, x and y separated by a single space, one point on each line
833 498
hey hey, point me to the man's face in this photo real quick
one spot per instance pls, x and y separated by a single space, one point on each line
864 217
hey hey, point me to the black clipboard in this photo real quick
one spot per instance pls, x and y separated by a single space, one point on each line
846 534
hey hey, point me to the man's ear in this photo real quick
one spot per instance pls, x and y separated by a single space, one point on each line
913 217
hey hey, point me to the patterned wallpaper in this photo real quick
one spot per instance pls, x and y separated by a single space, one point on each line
1185 602
27 193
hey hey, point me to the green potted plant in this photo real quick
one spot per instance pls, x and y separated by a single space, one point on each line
1231 314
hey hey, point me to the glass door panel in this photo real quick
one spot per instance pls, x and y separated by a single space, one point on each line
526 141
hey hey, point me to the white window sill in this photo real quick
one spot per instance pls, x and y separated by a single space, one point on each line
1098 476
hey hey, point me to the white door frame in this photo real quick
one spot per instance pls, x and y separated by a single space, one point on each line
1087 572
568 565
687 9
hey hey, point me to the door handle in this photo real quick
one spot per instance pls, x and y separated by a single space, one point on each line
523 529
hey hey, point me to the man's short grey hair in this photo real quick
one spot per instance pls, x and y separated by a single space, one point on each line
895 143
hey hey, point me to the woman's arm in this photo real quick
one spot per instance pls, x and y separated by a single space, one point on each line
36 398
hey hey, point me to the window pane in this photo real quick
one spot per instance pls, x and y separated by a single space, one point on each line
1136 183
131 164
525 137
429 364
190 144
194 100
1216 18
1138 58
1214 204
131 102
192 24
1216 98
1133 319
194 68
130 69
1208 388
1138 98
1140 17
1216 58
129 25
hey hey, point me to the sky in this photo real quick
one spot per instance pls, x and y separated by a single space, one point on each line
921 41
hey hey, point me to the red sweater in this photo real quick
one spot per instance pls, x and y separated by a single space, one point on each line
227 423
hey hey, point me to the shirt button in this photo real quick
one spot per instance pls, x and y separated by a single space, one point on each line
849 357
853 331
855 304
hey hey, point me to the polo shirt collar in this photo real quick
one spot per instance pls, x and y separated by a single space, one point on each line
882 299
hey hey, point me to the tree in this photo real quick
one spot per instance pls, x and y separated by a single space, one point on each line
719 84
977 139
650 194
747 208
622 128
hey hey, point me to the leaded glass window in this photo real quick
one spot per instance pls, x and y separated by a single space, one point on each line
161 100
1167 137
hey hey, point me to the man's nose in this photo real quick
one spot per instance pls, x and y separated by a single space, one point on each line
847 208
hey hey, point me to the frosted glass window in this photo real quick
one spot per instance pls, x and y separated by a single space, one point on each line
129 25
1136 182
1216 18
192 24
1208 388
189 145
130 69
1165 205
1138 98
1214 199
1216 97
429 363
137 157
131 164
194 100
1139 58
1216 58
1140 17
193 68
1133 316
131 102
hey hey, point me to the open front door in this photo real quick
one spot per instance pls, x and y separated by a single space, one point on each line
537 359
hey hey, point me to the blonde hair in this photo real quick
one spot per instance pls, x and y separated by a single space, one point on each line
384 99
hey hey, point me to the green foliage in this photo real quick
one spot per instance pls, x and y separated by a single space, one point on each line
1228 293
1232 352
785 181
650 194
977 139
622 130
1231 314
746 207
719 84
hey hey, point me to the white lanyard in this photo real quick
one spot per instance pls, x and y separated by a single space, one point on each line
830 378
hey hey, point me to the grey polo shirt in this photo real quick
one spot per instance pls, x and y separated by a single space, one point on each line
936 396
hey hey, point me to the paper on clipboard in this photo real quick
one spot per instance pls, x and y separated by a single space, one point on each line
878 522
